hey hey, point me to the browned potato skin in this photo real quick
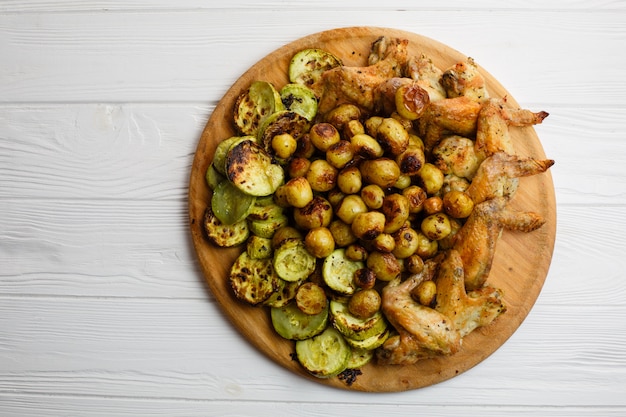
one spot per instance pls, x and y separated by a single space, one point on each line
436 226
324 135
414 264
365 278
349 180
319 242
322 176
384 242
458 204
298 167
411 160
396 210
365 303
341 154
373 196
406 242
342 233
383 172
425 293
369 225
284 233
318 213
392 136
385 265
349 207
416 196
433 205
342 114
311 298
356 252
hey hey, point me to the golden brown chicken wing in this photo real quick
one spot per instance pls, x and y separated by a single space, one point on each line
422 331
358 85
467 311
476 240
464 79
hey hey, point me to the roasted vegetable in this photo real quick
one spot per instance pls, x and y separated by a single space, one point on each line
324 355
252 170
354 327
230 204
291 323
300 99
253 280
224 235
254 105
306 67
338 272
292 261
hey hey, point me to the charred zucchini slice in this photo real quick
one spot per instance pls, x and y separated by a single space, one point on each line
354 327
285 293
371 342
338 272
251 107
259 247
292 261
253 280
308 65
219 158
229 204
325 355
224 235
213 178
359 358
285 121
267 228
291 323
252 170
299 98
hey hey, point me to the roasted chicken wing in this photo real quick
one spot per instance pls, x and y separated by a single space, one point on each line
476 240
422 331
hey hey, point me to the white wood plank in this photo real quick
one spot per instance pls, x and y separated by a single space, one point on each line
177 56
145 151
13 6
53 406
182 350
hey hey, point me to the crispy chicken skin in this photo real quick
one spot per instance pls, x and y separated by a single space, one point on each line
492 126
359 85
456 115
476 240
464 79
427 75
497 176
467 311
422 331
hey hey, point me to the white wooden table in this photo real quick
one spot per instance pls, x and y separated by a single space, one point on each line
103 309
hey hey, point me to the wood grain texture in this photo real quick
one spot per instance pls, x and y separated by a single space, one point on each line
519 268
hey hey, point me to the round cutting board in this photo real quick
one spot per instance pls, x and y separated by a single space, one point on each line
520 266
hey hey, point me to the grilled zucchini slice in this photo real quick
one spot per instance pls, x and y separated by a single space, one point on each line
267 228
252 170
219 157
355 327
229 204
259 247
299 98
251 107
359 358
308 65
281 122
325 355
213 178
291 323
371 342
285 293
338 272
224 235
253 280
292 261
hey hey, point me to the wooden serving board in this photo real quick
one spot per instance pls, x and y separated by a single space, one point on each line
519 269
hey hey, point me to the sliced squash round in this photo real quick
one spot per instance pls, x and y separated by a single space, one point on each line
292 261
371 342
299 98
221 234
338 272
308 65
285 293
259 101
252 170
230 204
219 157
325 355
291 323
285 121
359 358
253 280
354 327
267 228
213 178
